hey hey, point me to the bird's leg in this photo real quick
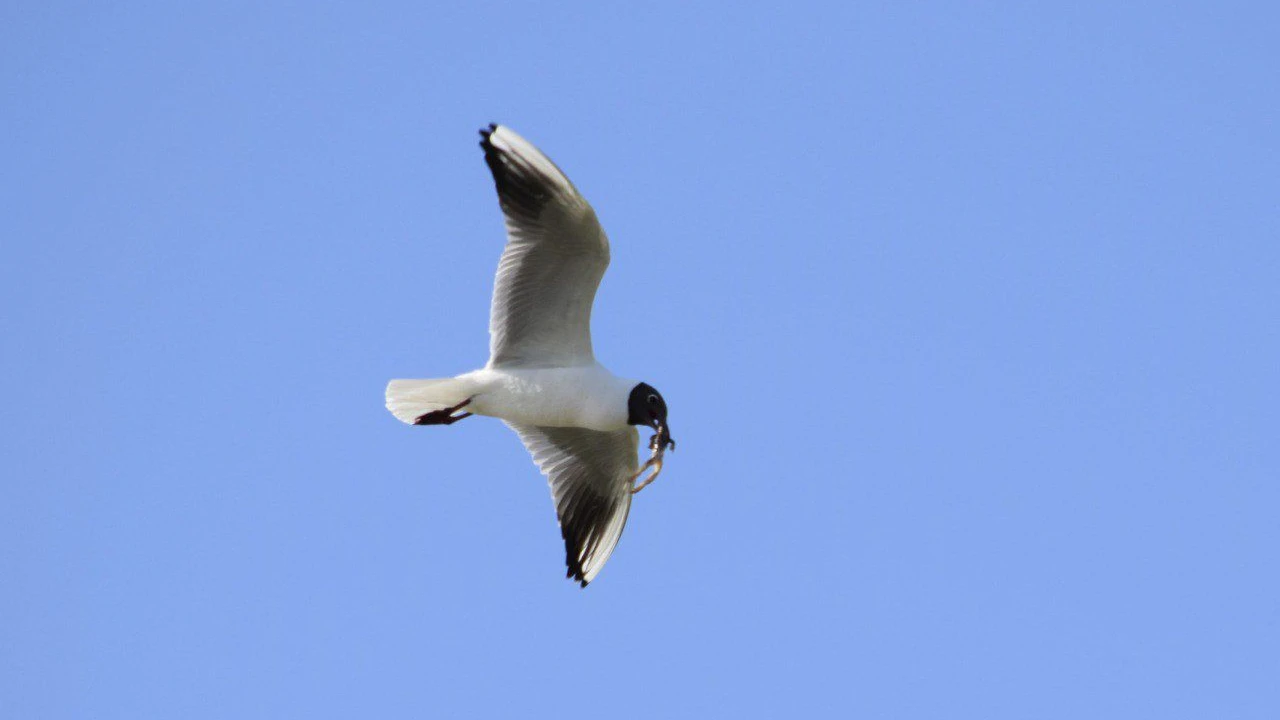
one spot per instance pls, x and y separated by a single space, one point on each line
445 416
654 462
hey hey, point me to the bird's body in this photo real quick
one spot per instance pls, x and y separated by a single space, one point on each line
586 396
575 417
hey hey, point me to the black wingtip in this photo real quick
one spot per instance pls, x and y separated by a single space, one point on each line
522 190
575 570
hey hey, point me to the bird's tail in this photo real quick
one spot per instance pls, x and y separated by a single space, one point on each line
408 399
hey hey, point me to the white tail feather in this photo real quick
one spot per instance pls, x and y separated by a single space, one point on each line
408 399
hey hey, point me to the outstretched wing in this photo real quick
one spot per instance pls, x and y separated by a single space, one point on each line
591 476
556 254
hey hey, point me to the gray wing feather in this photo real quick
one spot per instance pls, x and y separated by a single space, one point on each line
590 473
556 255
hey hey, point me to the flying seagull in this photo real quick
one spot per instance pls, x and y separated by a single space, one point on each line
576 418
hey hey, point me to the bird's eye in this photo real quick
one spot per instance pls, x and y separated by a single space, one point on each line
653 399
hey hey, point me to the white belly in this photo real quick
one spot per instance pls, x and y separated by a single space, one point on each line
588 397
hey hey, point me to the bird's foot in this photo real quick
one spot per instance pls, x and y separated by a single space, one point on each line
445 416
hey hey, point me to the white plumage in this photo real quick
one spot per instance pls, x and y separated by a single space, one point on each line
574 416
587 396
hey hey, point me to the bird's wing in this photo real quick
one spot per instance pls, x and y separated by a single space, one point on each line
591 475
556 254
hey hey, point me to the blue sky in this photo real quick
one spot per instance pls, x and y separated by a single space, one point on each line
966 314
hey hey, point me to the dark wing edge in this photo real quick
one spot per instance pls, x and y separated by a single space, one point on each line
590 524
590 474
555 257
526 179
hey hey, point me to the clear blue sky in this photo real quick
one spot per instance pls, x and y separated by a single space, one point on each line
966 313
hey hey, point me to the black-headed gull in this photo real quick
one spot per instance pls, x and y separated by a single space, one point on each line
576 418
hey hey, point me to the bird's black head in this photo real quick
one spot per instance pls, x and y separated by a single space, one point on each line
645 406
